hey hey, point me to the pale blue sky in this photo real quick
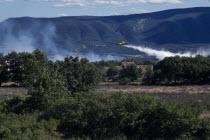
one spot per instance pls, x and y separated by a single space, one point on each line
54 8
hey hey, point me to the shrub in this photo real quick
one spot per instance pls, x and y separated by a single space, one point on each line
25 127
100 116
80 75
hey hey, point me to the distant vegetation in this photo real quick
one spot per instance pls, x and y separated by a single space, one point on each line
27 68
23 69
169 71
61 102
183 70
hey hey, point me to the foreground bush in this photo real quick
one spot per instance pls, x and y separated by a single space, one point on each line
95 115
100 116
26 127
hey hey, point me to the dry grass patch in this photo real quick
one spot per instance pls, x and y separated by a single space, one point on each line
6 92
156 89
205 115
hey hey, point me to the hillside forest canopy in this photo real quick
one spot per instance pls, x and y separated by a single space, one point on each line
22 69
62 101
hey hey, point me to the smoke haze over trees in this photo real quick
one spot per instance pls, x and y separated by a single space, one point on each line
178 30
81 75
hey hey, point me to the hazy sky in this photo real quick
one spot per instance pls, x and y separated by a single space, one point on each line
54 8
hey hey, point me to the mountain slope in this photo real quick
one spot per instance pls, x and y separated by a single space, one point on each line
174 30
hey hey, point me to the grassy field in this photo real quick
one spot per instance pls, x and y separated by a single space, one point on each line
6 92
182 94
167 93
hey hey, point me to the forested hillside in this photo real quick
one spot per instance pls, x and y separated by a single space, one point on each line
173 30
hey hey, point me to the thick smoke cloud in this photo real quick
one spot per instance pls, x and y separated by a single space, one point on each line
44 38
161 54
27 40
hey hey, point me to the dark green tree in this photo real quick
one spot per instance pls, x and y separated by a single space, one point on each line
113 74
80 74
183 70
33 64
148 76
4 77
48 87
132 73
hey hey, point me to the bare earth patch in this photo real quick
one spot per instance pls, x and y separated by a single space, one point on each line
6 92
167 93
182 94
157 89
205 115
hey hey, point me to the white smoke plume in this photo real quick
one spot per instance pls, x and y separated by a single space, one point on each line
25 41
161 54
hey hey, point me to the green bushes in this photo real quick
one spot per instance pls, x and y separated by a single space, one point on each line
25 69
27 127
113 74
80 75
93 115
13 105
131 73
125 75
104 116
59 105
183 70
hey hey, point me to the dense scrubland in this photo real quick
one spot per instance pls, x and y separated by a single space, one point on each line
62 101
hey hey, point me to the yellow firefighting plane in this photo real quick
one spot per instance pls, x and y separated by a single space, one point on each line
123 43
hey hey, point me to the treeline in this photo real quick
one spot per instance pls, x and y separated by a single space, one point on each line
169 71
113 63
182 70
61 104
19 67
25 68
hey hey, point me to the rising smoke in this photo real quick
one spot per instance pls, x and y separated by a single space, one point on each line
161 54
42 37
28 39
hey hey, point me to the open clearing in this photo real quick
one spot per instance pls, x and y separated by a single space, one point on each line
167 93
6 92
182 94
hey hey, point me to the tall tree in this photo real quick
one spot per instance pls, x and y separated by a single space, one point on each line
3 70
80 74
34 64
131 72
113 74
